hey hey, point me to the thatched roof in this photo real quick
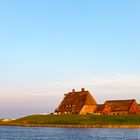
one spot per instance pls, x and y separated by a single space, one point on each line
74 101
119 105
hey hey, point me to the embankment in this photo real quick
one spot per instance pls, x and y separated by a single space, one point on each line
77 121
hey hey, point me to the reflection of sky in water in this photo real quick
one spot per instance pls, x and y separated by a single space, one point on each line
41 133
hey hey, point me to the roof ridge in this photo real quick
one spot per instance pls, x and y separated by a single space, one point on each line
120 100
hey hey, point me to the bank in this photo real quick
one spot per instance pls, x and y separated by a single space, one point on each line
77 121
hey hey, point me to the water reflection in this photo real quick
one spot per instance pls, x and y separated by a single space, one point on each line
44 133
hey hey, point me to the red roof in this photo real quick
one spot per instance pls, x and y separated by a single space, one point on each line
119 105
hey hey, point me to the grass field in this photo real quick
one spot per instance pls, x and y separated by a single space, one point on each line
80 120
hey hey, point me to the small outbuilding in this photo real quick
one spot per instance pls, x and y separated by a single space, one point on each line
118 107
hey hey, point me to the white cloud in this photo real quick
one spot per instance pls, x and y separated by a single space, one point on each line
45 98
120 86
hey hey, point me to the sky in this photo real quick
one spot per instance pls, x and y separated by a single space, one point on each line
49 47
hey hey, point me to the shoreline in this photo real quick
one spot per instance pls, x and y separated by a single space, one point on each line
75 126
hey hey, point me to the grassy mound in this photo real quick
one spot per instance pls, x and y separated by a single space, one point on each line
79 120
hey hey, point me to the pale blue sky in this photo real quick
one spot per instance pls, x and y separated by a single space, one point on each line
47 43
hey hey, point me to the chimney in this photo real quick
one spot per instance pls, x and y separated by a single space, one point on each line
73 90
83 90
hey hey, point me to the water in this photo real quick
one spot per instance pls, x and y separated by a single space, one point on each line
44 133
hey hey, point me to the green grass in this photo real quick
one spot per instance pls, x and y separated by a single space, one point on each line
79 120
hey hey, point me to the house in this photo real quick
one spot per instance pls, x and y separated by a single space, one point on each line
118 107
80 102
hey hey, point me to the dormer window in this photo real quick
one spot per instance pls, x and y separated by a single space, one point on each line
69 105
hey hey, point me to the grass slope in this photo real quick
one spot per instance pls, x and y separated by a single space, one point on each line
79 120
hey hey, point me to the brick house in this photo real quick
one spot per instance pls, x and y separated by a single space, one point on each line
80 102
118 107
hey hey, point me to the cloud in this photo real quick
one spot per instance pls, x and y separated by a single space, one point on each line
115 80
119 86
45 98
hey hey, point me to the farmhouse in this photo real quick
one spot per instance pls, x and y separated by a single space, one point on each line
118 107
80 102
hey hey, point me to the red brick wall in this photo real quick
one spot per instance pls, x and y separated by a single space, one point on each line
134 109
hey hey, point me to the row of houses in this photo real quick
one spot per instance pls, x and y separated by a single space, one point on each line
82 102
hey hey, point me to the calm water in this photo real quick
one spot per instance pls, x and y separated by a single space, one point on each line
41 133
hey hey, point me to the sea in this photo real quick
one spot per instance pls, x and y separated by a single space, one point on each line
49 133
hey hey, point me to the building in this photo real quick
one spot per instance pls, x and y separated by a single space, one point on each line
80 102
118 107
